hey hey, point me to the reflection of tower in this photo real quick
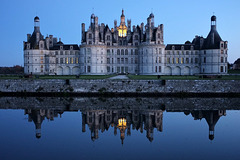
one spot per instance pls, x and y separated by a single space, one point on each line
122 124
37 116
211 117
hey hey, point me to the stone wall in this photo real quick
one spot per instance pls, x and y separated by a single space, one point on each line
120 86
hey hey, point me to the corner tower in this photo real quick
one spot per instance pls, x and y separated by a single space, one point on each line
214 52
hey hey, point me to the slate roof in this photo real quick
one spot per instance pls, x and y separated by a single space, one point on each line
65 47
212 43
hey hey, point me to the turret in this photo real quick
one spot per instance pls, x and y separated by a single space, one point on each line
122 18
36 24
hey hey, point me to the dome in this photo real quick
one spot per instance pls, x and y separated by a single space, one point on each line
36 18
92 16
151 15
213 18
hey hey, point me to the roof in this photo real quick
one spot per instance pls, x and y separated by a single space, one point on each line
65 47
179 46
213 39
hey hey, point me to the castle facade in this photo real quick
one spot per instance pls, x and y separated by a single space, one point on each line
124 49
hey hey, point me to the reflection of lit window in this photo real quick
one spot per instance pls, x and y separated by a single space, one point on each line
72 60
67 60
76 60
122 123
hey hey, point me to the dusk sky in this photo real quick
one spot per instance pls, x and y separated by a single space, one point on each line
182 19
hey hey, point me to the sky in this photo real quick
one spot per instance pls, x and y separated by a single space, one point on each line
182 20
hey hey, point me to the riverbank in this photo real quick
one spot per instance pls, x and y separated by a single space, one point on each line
107 87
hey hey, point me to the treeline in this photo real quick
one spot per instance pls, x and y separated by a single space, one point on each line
12 70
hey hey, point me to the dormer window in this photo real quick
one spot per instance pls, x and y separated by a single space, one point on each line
136 37
61 47
71 47
108 37
159 35
173 47
192 48
90 36
28 46
182 48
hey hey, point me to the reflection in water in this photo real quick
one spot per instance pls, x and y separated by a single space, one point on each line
211 117
123 120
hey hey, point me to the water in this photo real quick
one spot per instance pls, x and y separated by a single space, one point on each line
119 128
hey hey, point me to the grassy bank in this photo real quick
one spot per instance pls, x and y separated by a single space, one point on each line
57 77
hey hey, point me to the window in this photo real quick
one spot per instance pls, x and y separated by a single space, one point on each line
66 60
72 60
136 37
222 52
108 60
136 52
159 60
160 69
61 52
88 68
196 60
118 52
177 60
187 60
108 44
90 36
172 60
126 52
77 60
108 52
122 52
205 52
89 42
204 60
136 43
108 69
56 52
131 51
156 69
108 37
159 35
221 68
168 60
221 59
126 60
182 61
122 60
118 60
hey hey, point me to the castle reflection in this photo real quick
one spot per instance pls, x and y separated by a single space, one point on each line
124 120
101 120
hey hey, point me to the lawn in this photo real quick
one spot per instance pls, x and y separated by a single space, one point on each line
57 77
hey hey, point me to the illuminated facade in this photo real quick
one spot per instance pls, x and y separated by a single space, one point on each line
125 49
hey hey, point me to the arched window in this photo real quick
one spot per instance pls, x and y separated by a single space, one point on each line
122 52
118 52
126 52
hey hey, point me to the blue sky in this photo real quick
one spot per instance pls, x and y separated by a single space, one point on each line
182 19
